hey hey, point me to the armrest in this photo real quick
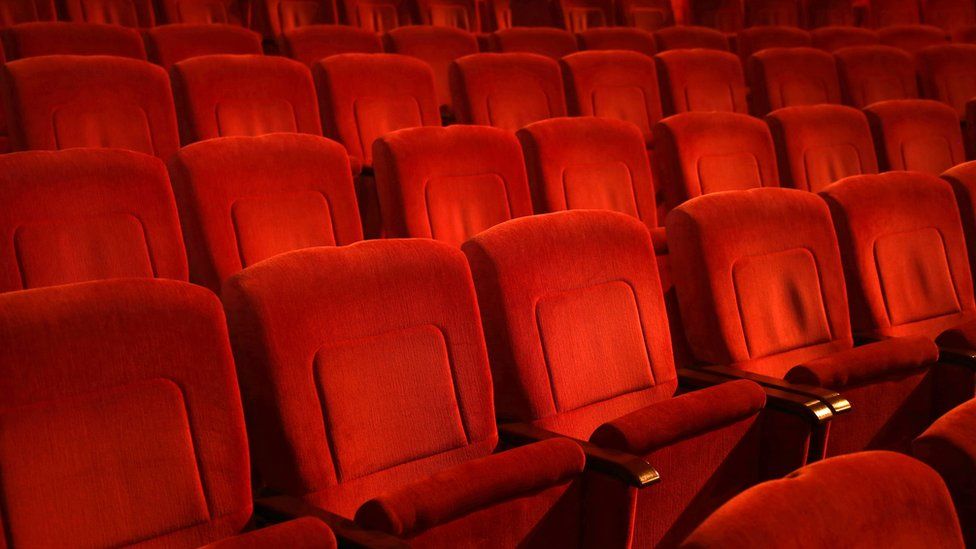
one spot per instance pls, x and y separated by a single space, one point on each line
866 363
835 403
814 409
280 508
961 357
629 468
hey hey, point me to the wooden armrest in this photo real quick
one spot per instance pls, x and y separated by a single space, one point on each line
810 408
627 467
961 357
281 508
832 399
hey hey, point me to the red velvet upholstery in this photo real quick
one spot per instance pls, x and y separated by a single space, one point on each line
205 12
869 74
948 447
227 95
127 13
947 74
788 77
905 253
303 533
245 199
454 14
314 42
34 39
65 101
834 38
819 144
377 15
506 90
912 38
580 15
554 43
760 283
438 47
882 14
699 153
86 214
579 344
170 44
613 84
917 135
273 18
389 330
965 35
759 38
356 115
962 177
727 16
948 14
701 80
618 38
649 15
688 37
889 500
15 12
782 13
823 14
449 183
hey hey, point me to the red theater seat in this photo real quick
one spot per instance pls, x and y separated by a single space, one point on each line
245 199
648 15
689 37
760 282
449 183
759 38
962 177
701 80
917 135
580 15
834 38
618 38
15 12
314 42
170 44
913 38
579 346
965 35
86 214
613 84
127 13
830 14
726 16
226 95
457 14
698 153
35 39
438 47
947 446
788 77
506 90
140 370
892 13
66 101
869 74
554 43
819 144
389 330
377 15
948 74
948 14
802 511
277 17
205 12
784 13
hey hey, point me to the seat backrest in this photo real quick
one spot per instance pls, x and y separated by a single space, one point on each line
580 15
245 199
830 13
948 14
817 145
727 16
701 80
912 38
834 38
314 42
915 512
893 13
916 134
590 164
455 14
699 153
227 95
281 16
904 252
684 37
15 12
553 43
618 38
387 329
436 46
170 44
66 101
48 38
136 369
767 13
127 13
759 38
613 84
578 336
87 214
759 279
948 74
205 12
962 177
648 15
366 96
964 35
787 77
869 74
506 90
449 183
377 15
